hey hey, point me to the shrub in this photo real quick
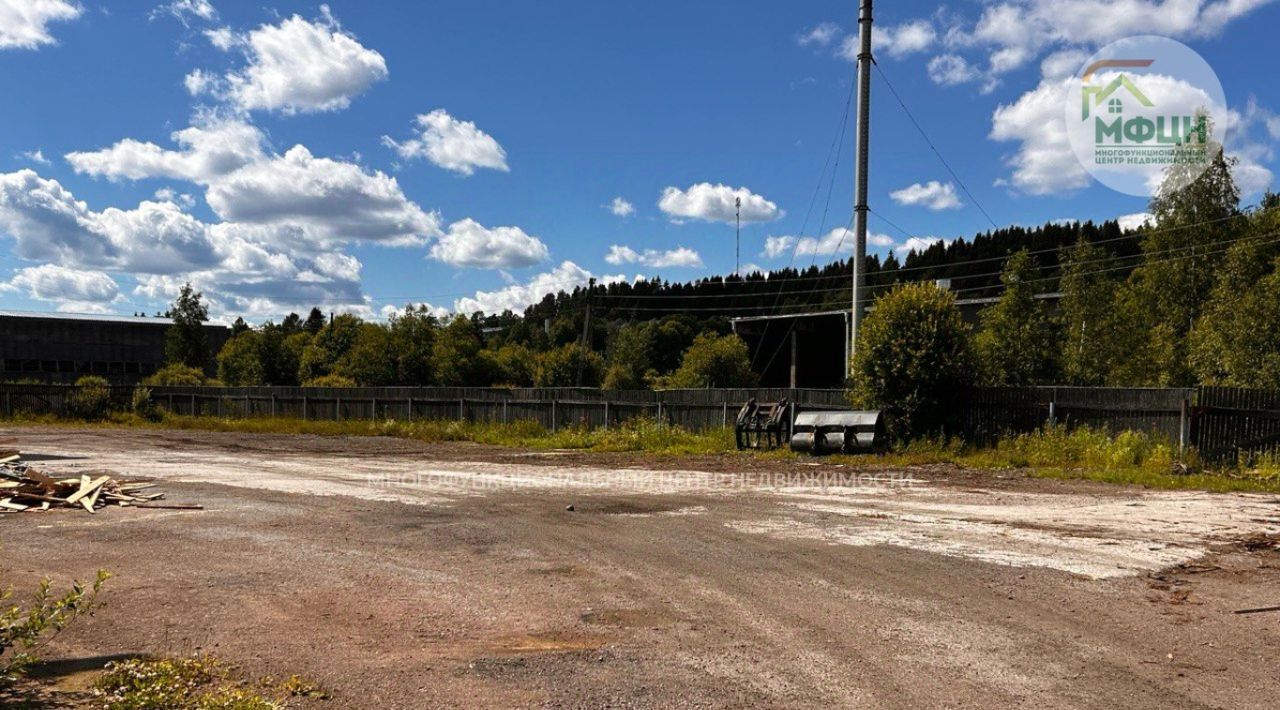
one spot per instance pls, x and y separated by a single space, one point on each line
330 381
912 360
91 398
25 630
176 376
714 361
142 405
561 367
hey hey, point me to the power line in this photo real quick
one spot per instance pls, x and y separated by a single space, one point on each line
929 142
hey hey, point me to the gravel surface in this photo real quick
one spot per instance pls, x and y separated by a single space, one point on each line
404 575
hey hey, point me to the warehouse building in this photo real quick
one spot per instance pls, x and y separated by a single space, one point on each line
61 347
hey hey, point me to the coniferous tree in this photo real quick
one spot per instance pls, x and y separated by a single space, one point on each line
1017 343
185 342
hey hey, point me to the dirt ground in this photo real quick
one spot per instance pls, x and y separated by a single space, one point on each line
404 575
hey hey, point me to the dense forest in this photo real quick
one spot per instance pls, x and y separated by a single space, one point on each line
1191 297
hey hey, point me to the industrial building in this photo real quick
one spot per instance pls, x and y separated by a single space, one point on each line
61 347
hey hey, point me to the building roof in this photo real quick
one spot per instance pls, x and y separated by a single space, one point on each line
98 317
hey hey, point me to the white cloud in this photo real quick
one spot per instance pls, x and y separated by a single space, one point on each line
200 82
168 194
298 66
469 243
24 23
207 152
681 257
451 144
919 244
932 195
35 156
621 207
517 297
950 70
332 201
186 10
896 41
1044 162
716 203
1129 222
1010 33
223 38
1063 64
837 241
819 35
70 288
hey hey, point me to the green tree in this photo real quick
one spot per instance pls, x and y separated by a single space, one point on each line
176 376
630 357
456 354
1089 320
239 326
185 342
413 335
315 321
370 361
714 361
328 347
560 367
510 365
240 362
1166 293
913 360
1017 343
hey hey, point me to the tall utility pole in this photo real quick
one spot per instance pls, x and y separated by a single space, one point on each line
860 188
737 239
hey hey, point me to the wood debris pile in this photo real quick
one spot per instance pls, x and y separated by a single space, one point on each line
26 489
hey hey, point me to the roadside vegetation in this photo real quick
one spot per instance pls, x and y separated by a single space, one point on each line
198 683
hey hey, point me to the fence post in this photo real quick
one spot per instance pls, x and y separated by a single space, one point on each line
375 409
8 403
194 412
273 406
171 404
724 419
553 416
606 415
1183 428
411 409
504 411
462 410
304 408
337 407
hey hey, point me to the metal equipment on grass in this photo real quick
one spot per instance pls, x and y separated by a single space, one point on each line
838 432
763 426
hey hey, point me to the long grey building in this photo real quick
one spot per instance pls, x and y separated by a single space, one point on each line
60 347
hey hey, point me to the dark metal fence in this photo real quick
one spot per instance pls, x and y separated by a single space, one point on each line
553 408
1222 423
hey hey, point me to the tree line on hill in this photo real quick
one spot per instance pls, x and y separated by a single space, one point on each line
1192 297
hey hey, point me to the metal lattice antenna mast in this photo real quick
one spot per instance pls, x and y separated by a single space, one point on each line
860 183
737 239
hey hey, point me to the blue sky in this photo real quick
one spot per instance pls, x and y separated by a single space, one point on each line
476 154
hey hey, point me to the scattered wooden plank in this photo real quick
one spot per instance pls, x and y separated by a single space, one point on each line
86 487
1258 610
169 506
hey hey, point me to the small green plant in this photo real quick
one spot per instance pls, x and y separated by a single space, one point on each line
330 381
198 683
142 406
177 376
25 629
91 398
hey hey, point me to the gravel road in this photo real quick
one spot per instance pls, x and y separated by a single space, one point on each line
406 575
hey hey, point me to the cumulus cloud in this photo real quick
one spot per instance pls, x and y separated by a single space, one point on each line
296 66
1129 222
517 297
716 203
837 241
820 35
187 10
24 24
678 257
35 156
469 243
206 153
71 289
251 269
451 144
896 41
621 207
932 195
919 244
332 201
1044 162
950 70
